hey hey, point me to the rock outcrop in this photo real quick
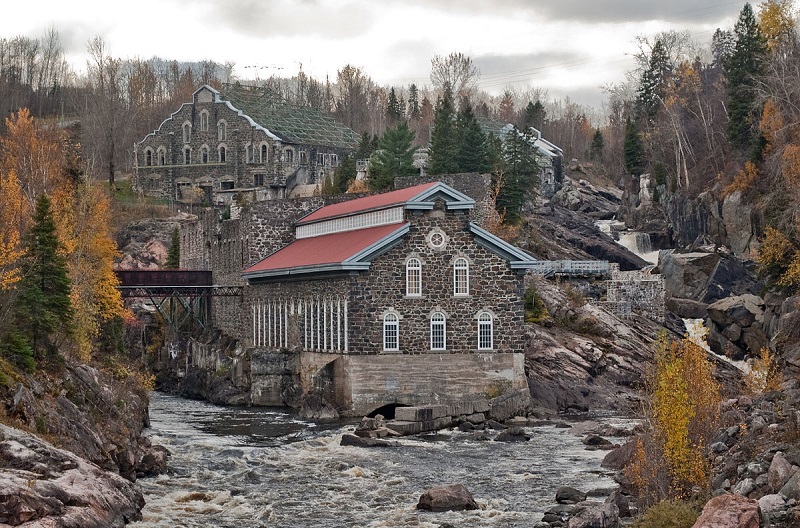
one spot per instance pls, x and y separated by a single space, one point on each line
730 510
43 486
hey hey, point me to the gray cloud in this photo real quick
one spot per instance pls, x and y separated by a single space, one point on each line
687 12
303 18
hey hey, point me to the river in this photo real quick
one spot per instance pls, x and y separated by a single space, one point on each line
256 467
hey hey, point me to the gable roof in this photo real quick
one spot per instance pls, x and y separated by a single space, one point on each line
293 124
346 251
417 197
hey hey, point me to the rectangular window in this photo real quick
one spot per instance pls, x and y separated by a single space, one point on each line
320 158
258 180
226 185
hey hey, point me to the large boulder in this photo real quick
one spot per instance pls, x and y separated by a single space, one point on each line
705 277
730 511
737 325
590 514
780 470
44 486
448 497
568 495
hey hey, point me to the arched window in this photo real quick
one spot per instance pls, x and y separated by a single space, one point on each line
249 153
148 157
162 156
187 156
263 153
438 331
187 132
485 331
461 277
222 131
391 332
204 154
204 120
222 154
413 277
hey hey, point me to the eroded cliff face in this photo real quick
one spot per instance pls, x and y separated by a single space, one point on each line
684 219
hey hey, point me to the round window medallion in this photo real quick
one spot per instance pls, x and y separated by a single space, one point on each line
437 239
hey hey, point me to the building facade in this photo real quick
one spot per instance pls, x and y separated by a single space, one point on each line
398 298
240 138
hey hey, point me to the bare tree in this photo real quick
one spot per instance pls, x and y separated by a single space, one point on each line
458 71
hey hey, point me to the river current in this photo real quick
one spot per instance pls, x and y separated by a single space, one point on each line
256 467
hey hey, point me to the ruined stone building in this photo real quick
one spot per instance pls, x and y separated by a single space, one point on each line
223 142
391 299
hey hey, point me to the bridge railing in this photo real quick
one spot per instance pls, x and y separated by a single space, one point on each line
571 267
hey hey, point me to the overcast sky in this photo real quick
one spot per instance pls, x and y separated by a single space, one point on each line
568 47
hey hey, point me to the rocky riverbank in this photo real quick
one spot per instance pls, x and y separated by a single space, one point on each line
72 447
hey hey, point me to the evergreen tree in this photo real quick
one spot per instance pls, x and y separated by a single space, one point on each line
43 309
394 159
472 149
393 111
174 253
743 67
344 173
413 102
535 116
634 150
597 147
519 174
444 138
653 82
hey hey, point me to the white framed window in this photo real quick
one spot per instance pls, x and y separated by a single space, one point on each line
461 277
334 160
413 277
303 157
264 151
320 158
204 120
187 132
222 131
485 331
391 332
438 331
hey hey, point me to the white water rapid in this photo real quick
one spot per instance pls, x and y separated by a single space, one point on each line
636 242
251 467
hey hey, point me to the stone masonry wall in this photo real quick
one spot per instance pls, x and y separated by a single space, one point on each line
493 287
639 292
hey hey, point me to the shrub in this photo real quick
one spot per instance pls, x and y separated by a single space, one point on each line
669 514
764 375
682 413
535 310
18 351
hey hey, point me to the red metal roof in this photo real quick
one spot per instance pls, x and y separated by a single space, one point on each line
377 201
326 249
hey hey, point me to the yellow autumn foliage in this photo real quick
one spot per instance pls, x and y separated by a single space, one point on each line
13 211
744 179
681 415
83 219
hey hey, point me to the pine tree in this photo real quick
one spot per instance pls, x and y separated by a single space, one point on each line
652 83
634 150
43 307
444 138
393 110
535 116
174 253
598 144
413 102
519 175
394 159
472 149
743 67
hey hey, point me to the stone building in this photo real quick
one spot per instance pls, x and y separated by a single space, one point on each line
391 299
240 139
